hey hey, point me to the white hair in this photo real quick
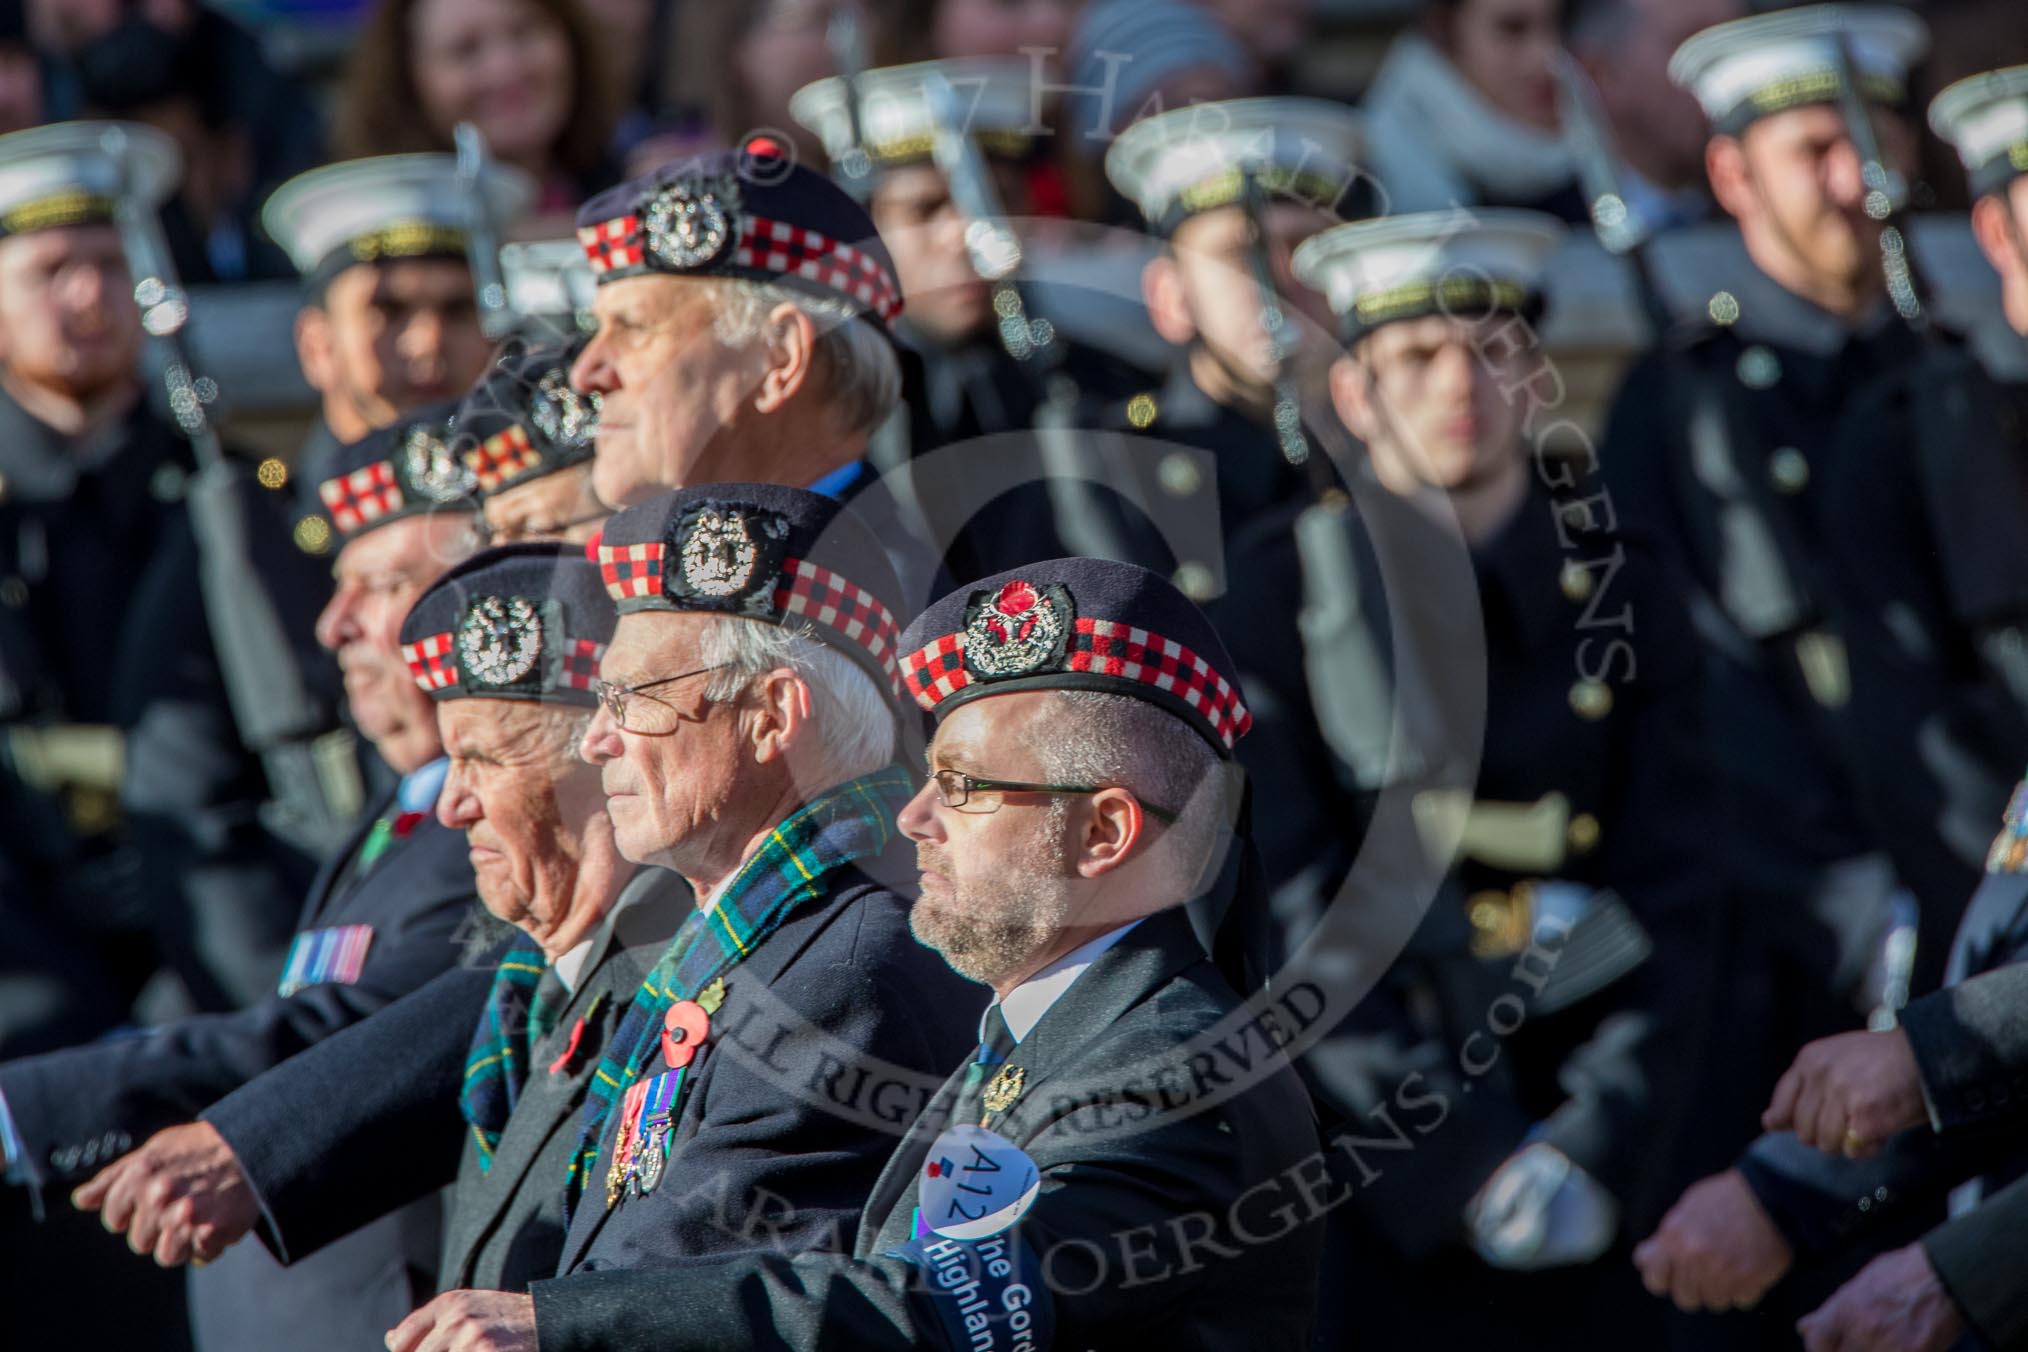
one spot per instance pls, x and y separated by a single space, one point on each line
1121 741
862 374
855 724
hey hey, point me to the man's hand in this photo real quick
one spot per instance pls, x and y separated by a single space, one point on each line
181 1196
468 1321
1895 1304
1716 1249
1847 1094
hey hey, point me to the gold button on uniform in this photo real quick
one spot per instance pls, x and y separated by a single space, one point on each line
1141 410
1575 579
1789 469
1582 833
1592 700
313 535
1723 308
272 473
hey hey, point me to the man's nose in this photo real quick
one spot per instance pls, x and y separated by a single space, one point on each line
918 817
601 740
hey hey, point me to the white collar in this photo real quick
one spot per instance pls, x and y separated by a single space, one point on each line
1028 1002
570 967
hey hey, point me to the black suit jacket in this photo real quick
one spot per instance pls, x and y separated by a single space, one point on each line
1175 1224
1978 1259
504 1227
81 1108
1970 1043
323 1165
833 1032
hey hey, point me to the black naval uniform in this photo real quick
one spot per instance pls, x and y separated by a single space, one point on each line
1116 1173
1721 444
1928 547
1587 811
155 857
321 1169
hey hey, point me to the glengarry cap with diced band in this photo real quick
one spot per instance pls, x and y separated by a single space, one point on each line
71 173
784 556
1195 158
1985 119
523 420
385 208
405 469
525 621
1746 69
748 213
991 100
1434 262
1077 624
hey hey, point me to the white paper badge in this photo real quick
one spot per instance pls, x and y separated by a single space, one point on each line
976 1183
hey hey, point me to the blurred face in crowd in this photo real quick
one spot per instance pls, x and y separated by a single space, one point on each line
389 338
68 325
1271 29
1432 400
1792 180
503 65
557 506
1001 27
925 232
1502 48
1657 125
528 807
20 89
779 51
669 387
380 575
679 776
2000 225
1204 291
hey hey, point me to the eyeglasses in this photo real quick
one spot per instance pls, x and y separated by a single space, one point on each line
956 788
636 711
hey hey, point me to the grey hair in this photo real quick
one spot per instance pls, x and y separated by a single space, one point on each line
862 374
1118 740
854 722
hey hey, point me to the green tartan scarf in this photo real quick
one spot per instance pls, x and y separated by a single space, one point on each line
503 1048
794 865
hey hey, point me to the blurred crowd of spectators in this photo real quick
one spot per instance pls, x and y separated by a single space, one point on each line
581 93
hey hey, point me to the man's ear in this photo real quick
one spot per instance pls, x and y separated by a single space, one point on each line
1352 397
1168 306
315 351
791 355
1995 234
781 719
1731 179
1112 831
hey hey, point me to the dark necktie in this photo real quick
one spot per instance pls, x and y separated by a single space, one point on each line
994 1050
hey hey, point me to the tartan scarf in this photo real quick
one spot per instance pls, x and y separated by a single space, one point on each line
503 1048
793 865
